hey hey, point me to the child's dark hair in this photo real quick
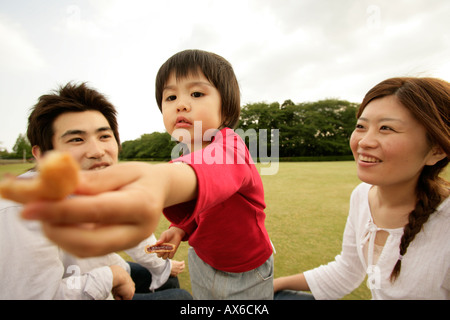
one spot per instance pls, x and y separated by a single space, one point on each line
216 69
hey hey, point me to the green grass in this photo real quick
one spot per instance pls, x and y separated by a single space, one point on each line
307 207
16 169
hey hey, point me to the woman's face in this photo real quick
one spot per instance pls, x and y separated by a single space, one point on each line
389 145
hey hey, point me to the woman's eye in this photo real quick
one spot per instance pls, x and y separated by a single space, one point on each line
386 128
171 98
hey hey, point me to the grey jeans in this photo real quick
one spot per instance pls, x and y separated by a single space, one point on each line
211 284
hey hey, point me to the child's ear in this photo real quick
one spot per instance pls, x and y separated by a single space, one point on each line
436 154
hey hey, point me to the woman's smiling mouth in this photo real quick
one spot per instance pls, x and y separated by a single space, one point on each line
368 159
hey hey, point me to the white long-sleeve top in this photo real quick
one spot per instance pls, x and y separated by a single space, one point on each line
425 271
32 267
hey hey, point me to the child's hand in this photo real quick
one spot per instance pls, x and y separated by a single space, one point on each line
173 236
115 209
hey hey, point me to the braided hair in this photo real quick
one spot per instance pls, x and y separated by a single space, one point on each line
428 99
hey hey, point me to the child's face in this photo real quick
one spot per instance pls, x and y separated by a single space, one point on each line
187 100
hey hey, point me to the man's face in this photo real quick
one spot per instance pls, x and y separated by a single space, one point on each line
88 137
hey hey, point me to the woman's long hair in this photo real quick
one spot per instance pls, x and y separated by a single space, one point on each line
428 99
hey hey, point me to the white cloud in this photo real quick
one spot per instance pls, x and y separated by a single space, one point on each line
288 49
17 52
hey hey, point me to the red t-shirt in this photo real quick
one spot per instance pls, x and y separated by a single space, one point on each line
225 224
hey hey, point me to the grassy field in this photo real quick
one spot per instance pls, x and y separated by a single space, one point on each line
16 168
307 206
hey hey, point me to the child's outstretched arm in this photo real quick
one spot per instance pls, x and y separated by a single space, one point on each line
116 207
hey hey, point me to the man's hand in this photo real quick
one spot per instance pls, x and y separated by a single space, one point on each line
123 286
177 267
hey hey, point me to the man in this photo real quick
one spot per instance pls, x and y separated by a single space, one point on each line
81 121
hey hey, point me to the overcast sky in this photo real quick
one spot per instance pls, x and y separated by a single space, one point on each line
303 50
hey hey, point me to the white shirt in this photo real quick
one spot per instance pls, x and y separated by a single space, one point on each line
32 267
425 271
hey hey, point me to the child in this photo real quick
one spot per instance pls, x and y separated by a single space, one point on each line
397 229
231 252
213 196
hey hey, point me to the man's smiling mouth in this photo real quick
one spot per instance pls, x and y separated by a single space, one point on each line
99 166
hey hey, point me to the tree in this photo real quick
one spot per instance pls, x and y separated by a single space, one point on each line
329 126
319 128
22 148
155 145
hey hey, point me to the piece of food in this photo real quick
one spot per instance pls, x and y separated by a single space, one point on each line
165 247
57 178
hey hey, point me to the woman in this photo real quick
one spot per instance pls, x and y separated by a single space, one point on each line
397 229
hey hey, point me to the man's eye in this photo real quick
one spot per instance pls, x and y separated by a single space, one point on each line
75 140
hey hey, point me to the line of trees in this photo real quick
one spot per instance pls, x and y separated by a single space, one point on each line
21 149
311 129
156 145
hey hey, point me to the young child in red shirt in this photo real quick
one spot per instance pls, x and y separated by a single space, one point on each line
230 254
